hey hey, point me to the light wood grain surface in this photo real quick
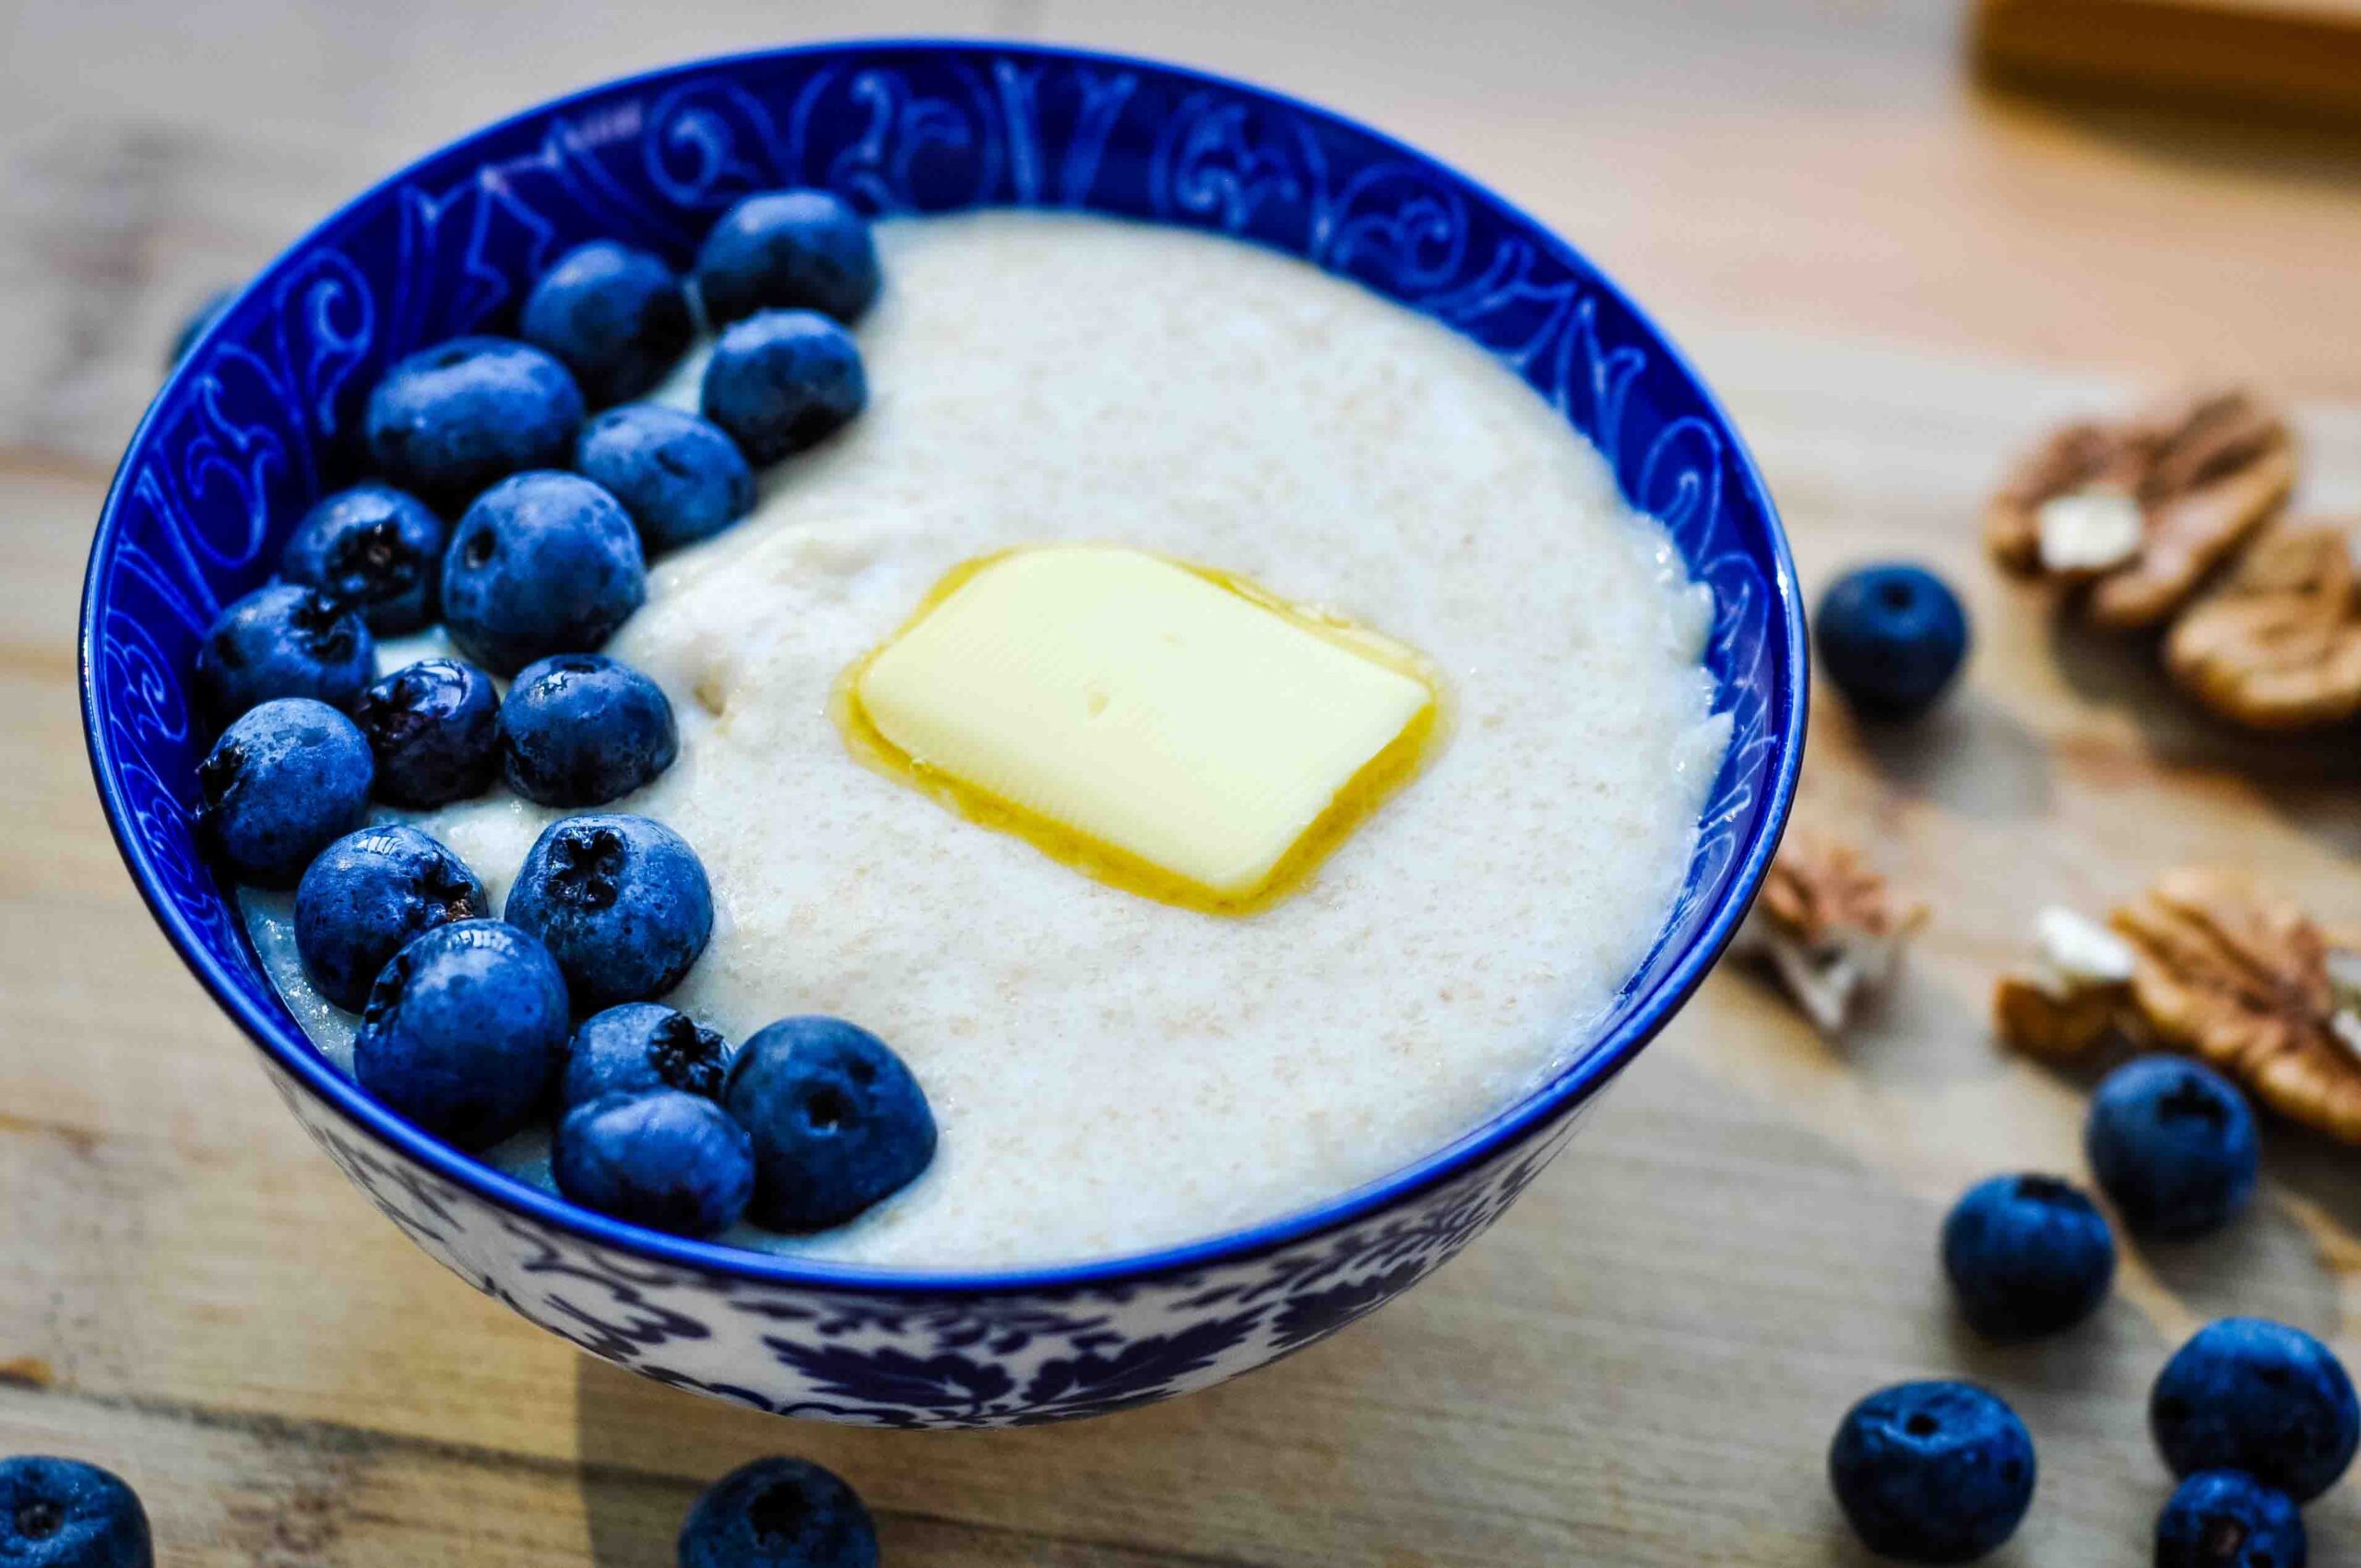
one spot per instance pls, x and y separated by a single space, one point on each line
1894 276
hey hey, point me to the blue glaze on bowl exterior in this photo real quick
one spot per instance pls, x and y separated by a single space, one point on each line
258 422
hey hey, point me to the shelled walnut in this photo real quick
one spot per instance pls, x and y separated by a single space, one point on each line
1828 926
2276 644
2139 511
2226 972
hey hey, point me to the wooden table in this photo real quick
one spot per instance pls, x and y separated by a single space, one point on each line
1893 275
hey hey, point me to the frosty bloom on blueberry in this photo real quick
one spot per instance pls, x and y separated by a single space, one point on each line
781 381
464 1031
639 1046
839 1123
450 419
581 730
374 547
1933 1471
621 902
778 1514
366 896
64 1514
543 563
788 250
662 1159
679 476
2174 1144
283 640
615 317
289 776
434 729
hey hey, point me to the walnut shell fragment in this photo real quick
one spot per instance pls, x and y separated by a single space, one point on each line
1828 926
2204 473
2276 645
2244 981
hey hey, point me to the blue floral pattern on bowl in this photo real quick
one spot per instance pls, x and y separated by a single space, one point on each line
260 420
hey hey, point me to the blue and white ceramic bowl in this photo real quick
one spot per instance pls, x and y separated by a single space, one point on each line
260 418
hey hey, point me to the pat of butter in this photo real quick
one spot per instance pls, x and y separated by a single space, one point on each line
1186 722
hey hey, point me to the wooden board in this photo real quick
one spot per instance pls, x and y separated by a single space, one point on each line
1893 278
2291 57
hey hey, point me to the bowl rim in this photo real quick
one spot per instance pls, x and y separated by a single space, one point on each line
285 1046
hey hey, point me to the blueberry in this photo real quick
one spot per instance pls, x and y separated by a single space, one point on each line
283 640
581 730
1892 637
64 1514
464 1030
662 1159
678 475
285 781
778 1514
543 563
450 419
374 547
837 1121
781 380
1932 1472
616 317
622 901
2247 1394
2222 1519
800 249
2027 1256
434 726
366 896
2174 1145
641 1046
209 311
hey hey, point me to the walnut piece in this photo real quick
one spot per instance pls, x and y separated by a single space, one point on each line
2204 472
1828 926
2276 645
2246 982
2078 994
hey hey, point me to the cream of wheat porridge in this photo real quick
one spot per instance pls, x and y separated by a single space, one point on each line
1109 1073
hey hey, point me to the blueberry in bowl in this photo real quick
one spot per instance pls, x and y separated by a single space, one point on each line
365 896
804 249
449 421
284 781
542 563
283 640
621 902
433 728
581 730
681 479
615 317
374 547
783 380
1107 1326
635 1047
464 1029
672 1161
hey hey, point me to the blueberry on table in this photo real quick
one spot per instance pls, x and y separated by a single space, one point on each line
434 729
2223 1520
621 902
2174 1144
543 563
640 1046
581 730
374 547
668 1160
64 1514
1892 637
2246 1394
778 1514
285 781
283 640
781 381
2027 1256
209 311
365 897
450 419
793 250
616 317
838 1122
1932 1472
680 478
464 1031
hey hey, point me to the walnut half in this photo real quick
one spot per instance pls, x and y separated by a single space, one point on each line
2202 474
2276 645
1828 926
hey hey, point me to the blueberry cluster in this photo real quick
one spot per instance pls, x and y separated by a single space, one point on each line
523 523
2256 1418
